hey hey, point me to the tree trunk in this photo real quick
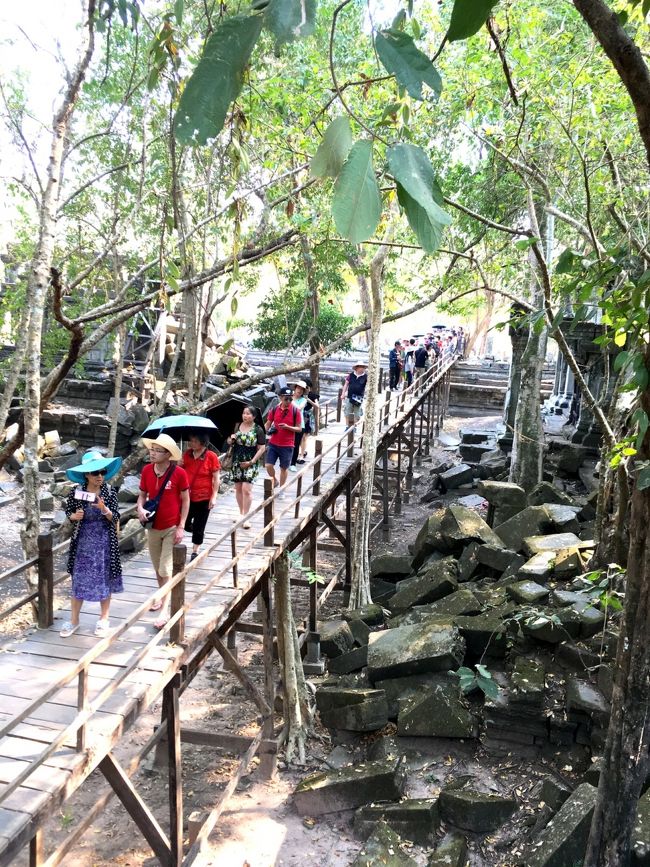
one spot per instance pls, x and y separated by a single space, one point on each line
38 286
356 263
13 374
297 716
360 582
314 303
118 358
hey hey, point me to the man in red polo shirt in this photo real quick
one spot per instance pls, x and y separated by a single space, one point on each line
282 423
169 523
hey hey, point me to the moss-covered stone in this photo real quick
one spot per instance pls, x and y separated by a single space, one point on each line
414 650
438 711
527 592
383 849
431 583
564 840
471 810
529 522
391 567
348 788
415 819
335 637
450 852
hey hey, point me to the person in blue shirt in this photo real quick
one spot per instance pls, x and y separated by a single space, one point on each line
394 365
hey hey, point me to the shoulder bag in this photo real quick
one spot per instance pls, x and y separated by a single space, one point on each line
151 506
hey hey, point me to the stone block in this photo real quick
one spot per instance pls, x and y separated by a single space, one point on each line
438 711
539 567
369 715
492 464
415 819
527 592
372 615
591 621
545 493
554 626
564 840
461 474
472 810
531 521
360 630
46 502
483 634
398 689
383 849
129 489
582 697
554 793
335 637
499 559
431 583
463 601
346 663
381 591
391 567
641 833
555 542
429 539
414 650
505 498
468 562
527 682
349 788
473 452
331 695
450 852
460 525
570 458
564 517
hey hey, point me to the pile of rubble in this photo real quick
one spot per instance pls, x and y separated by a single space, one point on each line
486 632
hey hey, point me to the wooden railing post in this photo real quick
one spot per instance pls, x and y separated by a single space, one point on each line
268 511
82 704
387 407
179 558
339 405
318 451
45 581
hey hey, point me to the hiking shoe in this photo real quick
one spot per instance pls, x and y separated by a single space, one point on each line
293 468
300 461
68 629
194 555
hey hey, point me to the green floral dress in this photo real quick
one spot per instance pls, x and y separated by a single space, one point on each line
245 445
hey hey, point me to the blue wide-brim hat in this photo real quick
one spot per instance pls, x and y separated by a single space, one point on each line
91 462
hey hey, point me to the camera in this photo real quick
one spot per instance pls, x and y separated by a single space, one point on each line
273 429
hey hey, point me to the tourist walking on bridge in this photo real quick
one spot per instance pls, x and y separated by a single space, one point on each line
249 444
394 365
354 389
282 423
162 479
203 470
94 558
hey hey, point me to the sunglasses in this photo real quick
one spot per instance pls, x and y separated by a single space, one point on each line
97 473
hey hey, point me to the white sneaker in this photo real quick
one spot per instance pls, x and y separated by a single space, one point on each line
102 628
293 468
68 629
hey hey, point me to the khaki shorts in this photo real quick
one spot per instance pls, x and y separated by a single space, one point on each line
161 546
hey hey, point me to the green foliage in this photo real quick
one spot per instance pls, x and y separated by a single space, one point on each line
333 149
480 678
467 18
217 80
356 206
419 194
284 321
401 57
295 562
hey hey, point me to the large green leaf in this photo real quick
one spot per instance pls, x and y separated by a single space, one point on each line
403 59
467 18
427 231
217 80
289 19
356 206
419 194
333 150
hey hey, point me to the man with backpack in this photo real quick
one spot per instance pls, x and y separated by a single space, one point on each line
282 424
394 365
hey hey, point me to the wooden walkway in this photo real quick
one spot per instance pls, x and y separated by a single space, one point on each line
64 703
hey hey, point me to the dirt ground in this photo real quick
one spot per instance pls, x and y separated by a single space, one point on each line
261 827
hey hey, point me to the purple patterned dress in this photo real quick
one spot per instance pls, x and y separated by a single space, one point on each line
94 562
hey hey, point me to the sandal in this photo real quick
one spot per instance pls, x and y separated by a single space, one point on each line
156 606
246 525
68 629
161 622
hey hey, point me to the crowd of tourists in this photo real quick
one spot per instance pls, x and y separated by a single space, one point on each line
179 490
410 357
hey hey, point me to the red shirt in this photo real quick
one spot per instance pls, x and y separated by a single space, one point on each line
169 510
199 472
291 416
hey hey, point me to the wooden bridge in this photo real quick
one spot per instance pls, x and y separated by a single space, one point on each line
65 703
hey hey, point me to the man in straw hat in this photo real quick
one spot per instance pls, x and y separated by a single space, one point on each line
169 523
353 392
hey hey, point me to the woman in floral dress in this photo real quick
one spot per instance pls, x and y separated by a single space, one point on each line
94 558
249 444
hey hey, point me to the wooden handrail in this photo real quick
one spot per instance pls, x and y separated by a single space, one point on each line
81 667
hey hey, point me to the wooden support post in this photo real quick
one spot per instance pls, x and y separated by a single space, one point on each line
385 503
339 405
427 441
318 463
233 552
173 721
313 587
242 677
268 761
45 581
348 537
436 411
338 457
296 512
387 407
179 558
268 511
136 808
408 483
350 452
231 643
418 457
36 848
82 704
398 492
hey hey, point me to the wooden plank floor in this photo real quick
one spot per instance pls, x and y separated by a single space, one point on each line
29 665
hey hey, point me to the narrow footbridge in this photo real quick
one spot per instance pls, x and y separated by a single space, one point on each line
66 703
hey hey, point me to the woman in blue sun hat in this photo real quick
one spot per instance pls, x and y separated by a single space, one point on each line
94 559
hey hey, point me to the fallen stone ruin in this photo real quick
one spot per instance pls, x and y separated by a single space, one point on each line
487 634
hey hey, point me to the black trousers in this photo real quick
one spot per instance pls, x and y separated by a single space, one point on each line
393 381
197 518
296 447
